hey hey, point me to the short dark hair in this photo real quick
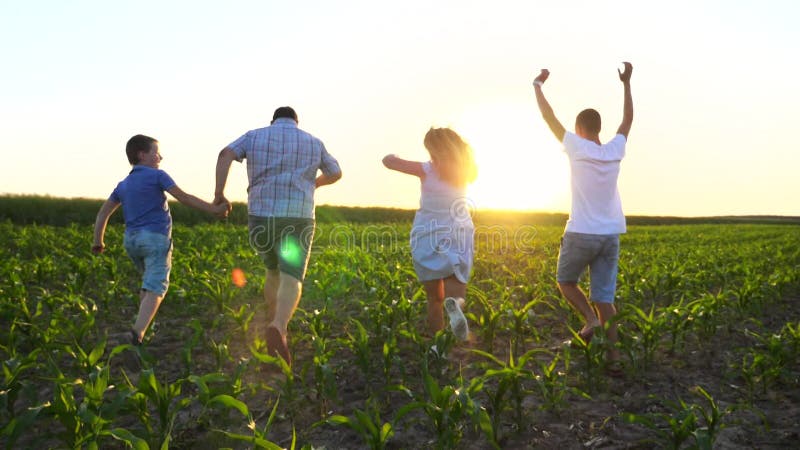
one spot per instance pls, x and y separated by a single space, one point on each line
285 112
136 144
589 120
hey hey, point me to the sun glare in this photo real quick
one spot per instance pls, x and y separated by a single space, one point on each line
520 165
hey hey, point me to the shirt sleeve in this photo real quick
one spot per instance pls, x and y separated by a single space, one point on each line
571 143
241 145
617 146
114 197
328 164
165 182
427 167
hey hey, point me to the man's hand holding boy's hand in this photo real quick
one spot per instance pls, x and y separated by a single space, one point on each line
219 199
222 207
98 249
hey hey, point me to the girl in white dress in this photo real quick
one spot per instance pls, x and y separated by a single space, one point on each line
442 234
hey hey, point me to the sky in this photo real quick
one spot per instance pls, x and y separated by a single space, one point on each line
714 87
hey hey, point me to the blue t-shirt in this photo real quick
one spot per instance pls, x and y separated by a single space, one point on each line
144 204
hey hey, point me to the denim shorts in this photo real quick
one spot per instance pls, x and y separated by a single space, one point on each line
283 243
152 255
598 252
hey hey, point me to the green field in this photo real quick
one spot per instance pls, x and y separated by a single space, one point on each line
710 337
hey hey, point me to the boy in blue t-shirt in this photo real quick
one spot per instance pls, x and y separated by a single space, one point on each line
148 224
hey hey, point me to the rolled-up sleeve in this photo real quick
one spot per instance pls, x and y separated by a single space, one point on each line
328 164
241 146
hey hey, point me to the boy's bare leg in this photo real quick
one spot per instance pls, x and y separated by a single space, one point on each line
286 300
578 300
434 290
607 312
271 283
148 307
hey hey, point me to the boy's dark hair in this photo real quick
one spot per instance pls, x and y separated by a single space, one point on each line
589 120
136 144
284 112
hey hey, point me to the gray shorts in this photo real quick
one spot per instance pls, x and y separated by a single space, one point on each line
598 252
283 243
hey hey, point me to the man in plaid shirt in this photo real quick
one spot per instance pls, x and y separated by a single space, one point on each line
282 165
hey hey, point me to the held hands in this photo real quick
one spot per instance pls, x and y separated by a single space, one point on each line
98 249
625 75
539 80
222 207
221 210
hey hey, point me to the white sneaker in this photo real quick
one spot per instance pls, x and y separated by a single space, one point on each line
458 323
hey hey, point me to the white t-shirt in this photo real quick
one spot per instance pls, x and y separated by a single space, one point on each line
596 206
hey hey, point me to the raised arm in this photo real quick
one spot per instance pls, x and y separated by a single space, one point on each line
219 209
402 165
544 107
100 224
224 160
627 108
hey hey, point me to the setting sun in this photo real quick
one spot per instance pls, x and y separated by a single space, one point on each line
520 165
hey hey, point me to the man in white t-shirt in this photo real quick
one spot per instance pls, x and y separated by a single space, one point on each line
591 237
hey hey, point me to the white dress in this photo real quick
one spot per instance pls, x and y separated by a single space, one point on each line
442 234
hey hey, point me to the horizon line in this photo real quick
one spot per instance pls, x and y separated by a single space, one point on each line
480 210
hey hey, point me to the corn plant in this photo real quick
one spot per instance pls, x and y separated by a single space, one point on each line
218 291
444 409
682 421
486 315
165 398
552 383
221 352
389 357
198 333
97 410
642 334
678 324
509 391
791 331
323 373
243 316
288 385
359 343
83 423
368 425
759 372
520 324
705 313
216 390
20 424
711 417
593 353
15 384
15 380
259 437
436 352
85 360
672 428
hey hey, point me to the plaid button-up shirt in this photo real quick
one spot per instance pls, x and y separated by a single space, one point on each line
282 164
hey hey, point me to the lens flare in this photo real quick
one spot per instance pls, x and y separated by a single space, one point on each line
238 278
291 251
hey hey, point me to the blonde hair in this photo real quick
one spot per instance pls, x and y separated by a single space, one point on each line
451 156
